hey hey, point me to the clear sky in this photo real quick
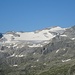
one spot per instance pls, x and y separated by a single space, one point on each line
30 15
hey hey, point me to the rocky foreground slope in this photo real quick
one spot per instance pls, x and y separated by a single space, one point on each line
50 51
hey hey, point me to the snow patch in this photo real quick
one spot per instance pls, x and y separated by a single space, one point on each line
14 45
37 60
33 66
35 45
44 64
15 65
64 49
8 46
72 38
66 60
57 51
12 55
34 53
19 55
2 51
63 35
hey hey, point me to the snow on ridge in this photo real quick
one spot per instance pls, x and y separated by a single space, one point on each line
56 29
8 36
33 36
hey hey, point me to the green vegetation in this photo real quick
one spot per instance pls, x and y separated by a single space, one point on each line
61 69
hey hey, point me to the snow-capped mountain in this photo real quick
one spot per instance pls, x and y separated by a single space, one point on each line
37 38
41 49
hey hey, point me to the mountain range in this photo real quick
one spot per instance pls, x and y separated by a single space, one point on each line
50 51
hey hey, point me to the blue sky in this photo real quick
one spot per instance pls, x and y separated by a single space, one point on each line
30 15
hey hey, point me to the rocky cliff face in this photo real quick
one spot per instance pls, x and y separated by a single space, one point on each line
39 52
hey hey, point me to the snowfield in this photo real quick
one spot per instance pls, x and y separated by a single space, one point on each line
34 36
